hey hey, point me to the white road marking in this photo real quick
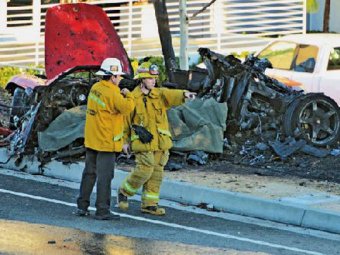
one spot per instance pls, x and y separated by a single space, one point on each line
172 225
178 206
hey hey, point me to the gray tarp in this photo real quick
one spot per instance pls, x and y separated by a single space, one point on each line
196 125
64 130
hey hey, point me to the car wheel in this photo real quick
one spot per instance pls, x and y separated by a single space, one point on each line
288 127
314 117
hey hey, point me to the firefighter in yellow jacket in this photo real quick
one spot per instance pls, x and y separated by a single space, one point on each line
104 127
148 134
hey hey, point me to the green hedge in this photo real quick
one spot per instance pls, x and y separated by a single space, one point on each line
7 72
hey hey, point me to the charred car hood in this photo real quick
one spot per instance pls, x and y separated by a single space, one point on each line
80 35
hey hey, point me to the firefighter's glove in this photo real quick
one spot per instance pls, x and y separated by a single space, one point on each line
128 83
144 135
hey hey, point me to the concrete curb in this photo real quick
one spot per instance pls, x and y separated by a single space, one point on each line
232 202
246 205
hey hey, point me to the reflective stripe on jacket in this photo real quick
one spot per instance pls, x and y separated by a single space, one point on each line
104 117
150 112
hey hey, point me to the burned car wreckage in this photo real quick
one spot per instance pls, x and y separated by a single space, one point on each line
257 104
43 104
260 103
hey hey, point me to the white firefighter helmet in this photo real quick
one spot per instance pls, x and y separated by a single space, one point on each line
110 66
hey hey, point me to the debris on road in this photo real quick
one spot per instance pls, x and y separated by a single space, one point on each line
173 166
287 148
197 157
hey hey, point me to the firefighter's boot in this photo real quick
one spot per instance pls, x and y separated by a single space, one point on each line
122 201
154 210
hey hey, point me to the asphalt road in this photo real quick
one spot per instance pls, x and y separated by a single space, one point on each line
32 206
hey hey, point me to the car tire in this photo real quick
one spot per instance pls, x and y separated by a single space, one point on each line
288 127
315 118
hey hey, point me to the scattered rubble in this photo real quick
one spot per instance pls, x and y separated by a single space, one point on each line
197 157
5 102
172 166
335 152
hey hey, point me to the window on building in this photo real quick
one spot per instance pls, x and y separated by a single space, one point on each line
334 59
280 54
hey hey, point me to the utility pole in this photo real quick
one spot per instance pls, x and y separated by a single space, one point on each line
183 59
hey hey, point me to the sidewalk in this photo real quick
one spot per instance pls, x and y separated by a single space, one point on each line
305 207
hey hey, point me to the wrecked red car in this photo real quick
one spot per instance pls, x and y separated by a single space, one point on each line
78 37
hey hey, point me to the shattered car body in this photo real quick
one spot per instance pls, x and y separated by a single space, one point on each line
78 37
259 103
45 103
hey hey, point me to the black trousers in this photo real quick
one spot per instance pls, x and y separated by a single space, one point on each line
99 166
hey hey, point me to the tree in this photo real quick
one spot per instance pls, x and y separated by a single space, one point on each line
326 16
313 6
165 37
165 34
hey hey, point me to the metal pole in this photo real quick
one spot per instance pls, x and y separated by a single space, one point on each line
183 59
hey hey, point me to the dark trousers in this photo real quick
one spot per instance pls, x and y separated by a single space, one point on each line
99 166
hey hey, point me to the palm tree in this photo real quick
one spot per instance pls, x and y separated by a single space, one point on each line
312 6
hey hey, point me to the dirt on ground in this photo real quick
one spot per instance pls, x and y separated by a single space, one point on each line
299 165
298 174
272 181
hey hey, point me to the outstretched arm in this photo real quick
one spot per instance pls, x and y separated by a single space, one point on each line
175 97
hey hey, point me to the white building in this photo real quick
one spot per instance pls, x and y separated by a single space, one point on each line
226 26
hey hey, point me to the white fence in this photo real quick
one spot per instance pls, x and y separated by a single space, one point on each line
226 26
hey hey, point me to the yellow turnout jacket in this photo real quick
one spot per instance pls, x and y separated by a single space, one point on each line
150 112
104 117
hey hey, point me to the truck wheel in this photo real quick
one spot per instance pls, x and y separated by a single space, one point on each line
316 118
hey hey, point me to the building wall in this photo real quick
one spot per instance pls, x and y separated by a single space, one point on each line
227 26
335 18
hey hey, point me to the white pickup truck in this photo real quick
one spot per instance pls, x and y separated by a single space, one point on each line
309 61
